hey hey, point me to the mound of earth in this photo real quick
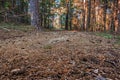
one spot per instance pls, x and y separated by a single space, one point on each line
62 55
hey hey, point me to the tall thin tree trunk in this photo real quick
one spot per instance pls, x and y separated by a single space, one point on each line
119 16
89 14
84 17
66 22
105 8
83 20
70 14
67 16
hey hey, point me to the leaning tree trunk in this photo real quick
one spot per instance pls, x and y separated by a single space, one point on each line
34 13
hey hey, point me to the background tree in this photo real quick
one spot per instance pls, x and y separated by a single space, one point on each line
89 14
93 15
34 13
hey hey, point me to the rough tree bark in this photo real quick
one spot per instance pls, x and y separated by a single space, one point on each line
34 13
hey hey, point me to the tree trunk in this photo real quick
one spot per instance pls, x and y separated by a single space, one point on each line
66 22
118 16
105 8
83 20
34 13
89 14
70 12
67 16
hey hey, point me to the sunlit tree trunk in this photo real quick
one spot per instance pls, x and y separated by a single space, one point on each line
84 16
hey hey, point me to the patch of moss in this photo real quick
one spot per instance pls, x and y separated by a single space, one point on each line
105 35
47 47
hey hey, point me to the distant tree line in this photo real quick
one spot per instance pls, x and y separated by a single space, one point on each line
83 15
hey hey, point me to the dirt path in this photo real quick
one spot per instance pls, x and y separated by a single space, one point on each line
63 55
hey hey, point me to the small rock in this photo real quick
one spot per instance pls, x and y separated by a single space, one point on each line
96 71
100 78
72 62
17 71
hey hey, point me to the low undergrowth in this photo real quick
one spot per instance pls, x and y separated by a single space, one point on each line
13 26
109 36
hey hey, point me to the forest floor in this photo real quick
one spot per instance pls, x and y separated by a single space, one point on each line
58 55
